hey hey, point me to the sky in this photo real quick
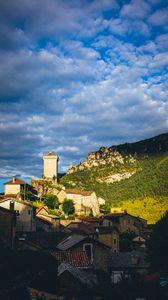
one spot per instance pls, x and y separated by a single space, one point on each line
76 75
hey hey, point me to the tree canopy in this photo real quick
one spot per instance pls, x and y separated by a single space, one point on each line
158 246
68 207
50 200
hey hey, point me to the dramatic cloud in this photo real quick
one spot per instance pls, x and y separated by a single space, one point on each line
77 75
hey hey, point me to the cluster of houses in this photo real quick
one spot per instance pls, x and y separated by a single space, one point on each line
81 246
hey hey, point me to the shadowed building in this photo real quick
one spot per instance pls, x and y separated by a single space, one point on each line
7 226
26 214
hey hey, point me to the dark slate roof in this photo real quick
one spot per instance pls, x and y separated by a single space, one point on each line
44 219
127 260
78 259
113 216
70 241
46 240
106 229
3 209
83 277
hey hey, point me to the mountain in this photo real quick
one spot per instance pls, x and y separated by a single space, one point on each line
131 175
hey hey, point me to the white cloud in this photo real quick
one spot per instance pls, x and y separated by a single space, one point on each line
135 9
77 76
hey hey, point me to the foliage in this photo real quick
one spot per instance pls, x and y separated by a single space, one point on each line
68 207
50 200
126 241
158 246
105 208
143 207
32 268
28 195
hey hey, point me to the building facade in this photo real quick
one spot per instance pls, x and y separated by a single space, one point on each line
26 214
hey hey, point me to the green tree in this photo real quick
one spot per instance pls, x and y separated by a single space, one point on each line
50 200
68 207
106 208
158 246
126 241
27 195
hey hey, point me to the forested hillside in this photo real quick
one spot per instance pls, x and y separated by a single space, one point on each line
133 175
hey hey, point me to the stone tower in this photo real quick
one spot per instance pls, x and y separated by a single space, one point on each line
50 165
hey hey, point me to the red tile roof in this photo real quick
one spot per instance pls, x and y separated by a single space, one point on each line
79 227
77 192
88 219
44 219
77 259
15 181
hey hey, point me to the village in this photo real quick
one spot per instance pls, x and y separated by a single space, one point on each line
83 246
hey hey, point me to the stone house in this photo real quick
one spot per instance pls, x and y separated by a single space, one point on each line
97 252
84 201
125 222
125 264
17 186
26 214
7 227
46 221
108 236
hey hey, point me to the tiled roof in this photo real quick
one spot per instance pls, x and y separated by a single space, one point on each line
77 259
70 241
16 200
77 192
46 240
7 210
80 228
44 219
38 209
88 219
15 181
80 275
36 295
50 153
122 214
106 229
122 260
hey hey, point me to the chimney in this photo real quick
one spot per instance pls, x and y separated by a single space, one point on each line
12 204
96 234
135 259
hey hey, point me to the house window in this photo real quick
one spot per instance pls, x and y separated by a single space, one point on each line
29 212
89 250
115 241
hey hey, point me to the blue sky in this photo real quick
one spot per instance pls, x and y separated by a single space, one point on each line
76 75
